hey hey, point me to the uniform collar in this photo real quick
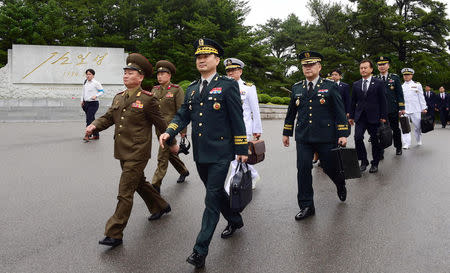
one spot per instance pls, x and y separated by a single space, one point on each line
209 79
132 91
313 81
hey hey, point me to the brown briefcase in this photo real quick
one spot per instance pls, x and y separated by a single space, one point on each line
256 151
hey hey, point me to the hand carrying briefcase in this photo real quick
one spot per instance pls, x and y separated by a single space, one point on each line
346 160
404 123
384 135
256 151
426 123
241 188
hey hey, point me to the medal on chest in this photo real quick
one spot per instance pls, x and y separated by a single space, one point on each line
322 101
216 106
297 102
392 87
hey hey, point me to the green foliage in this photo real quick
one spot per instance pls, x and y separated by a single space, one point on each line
263 98
184 84
276 100
286 100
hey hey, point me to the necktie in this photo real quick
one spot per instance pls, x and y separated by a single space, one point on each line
310 89
384 79
428 94
204 84
365 86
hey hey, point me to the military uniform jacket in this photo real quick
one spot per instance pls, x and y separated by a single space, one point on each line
218 130
133 118
320 117
394 93
250 106
169 99
414 99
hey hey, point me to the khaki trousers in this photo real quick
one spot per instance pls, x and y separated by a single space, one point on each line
132 180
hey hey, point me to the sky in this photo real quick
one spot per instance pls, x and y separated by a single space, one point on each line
262 10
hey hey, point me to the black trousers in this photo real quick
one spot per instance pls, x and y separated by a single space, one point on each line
443 115
361 126
305 153
216 202
396 133
90 108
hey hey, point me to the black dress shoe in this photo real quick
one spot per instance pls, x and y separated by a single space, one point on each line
182 177
108 241
229 230
196 259
373 169
398 151
305 212
156 216
157 188
363 166
342 192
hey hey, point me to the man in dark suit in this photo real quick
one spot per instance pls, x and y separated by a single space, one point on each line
213 105
394 99
442 105
321 125
344 89
430 99
368 109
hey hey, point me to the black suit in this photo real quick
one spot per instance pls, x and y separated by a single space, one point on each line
367 108
443 105
344 90
431 103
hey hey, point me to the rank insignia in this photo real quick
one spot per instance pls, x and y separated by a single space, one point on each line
216 106
297 102
392 87
322 101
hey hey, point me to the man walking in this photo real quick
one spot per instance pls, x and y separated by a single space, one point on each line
213 106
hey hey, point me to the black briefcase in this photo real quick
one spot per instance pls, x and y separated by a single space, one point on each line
346 160
384 135
426 123
404 124
241 188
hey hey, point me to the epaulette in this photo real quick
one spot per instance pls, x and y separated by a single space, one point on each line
121 93
393 74
248 83
175 85
328 80
194 82
297 83
147 93
157 86
224 78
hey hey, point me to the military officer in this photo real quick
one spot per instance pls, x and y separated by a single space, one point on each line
344 89
394 99
443 105
133 112
252 118
414 105
430 98
321 125
170 97
214 107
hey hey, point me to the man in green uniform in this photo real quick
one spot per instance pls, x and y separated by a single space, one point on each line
170 97
133 112
321 126
394 98
213 105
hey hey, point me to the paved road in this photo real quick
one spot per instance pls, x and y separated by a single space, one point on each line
57 193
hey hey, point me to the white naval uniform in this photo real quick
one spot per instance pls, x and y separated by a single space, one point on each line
414 105
252 119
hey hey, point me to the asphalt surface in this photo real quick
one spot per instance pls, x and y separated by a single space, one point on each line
57 193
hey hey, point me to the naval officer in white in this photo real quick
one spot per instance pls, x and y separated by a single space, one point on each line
250 106
415 104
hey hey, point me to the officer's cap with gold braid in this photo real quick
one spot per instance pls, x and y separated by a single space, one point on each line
165 66
407 71
383 60
207 46
310 57
231 63
136 61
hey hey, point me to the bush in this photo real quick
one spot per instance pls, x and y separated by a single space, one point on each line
286 100
263 98
184 84
276 100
